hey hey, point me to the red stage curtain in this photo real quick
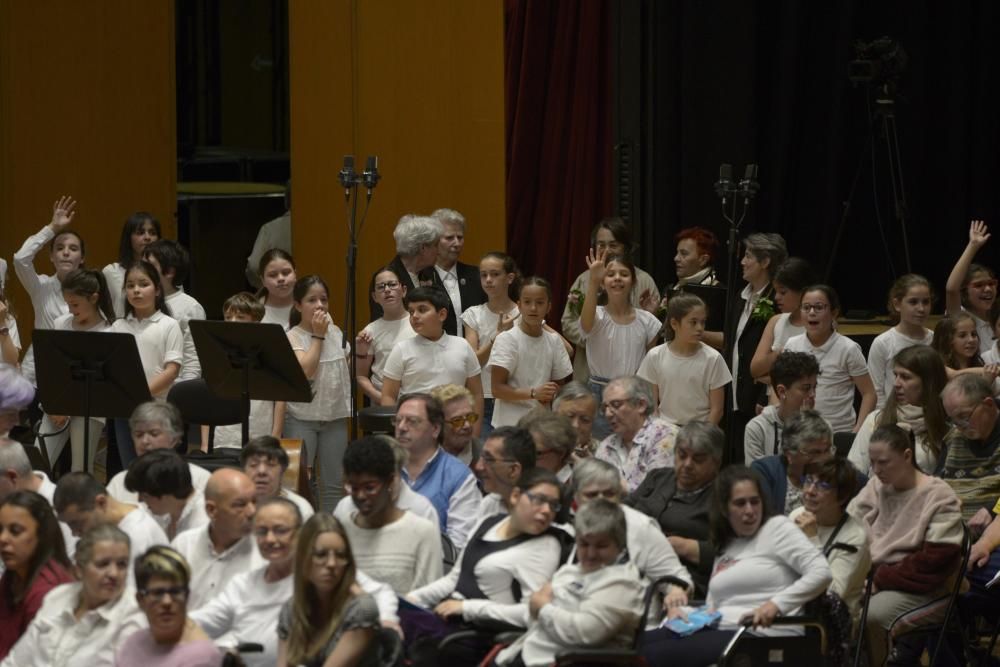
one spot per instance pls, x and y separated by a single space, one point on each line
558 125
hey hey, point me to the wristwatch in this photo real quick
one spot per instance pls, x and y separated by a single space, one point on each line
4 331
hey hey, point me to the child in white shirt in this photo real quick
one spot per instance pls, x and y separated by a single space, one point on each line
375 342
139 231
277 277
172 260
910 299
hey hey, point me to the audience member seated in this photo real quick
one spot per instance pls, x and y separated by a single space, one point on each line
246 609
460 417
34 560
577 403
84 622
403 496
265 461
389 544
162 480
328 620
641 441
915 524
555 439
593 603
807 439
680 498
826 489
222 548
434 473
648 548
16 394
913 399
507 453
162 579
16 475
793 380
764 567
972 448
155 425
508 558
83 502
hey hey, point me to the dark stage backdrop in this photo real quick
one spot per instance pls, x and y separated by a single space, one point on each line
695 84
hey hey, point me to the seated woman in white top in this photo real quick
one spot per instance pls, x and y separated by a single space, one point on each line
910 301
507 558
764 567
84 623
914 399
596 602
246 609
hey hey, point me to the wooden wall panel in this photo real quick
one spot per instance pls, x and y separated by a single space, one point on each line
87 109
421 86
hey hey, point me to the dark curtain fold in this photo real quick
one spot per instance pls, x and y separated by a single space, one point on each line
558 129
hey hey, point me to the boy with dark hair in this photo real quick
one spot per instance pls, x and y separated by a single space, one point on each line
793 377
162 480
173 262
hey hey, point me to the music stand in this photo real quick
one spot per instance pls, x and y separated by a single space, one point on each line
90 373
247 360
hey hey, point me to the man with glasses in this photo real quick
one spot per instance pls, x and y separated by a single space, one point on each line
460 417
507 452
391 545
972 448
431 471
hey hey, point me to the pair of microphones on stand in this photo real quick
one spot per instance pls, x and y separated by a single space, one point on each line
746 187
350 178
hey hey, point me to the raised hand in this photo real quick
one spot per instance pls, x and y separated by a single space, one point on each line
978 234
62 212
595 264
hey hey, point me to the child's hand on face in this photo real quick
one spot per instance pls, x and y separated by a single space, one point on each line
320 322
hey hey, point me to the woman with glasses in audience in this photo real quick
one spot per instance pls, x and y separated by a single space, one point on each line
807 438
162 578
247 609
84 623
329 620
826 489
506 559
764 568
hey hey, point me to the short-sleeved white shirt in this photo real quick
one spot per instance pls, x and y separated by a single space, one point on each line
385 334
277 315
530 361
159 340
840 361
484 322
420 364
261 423
684 383
983 330
184 308
783 330
331 383
114 276
884 349
617 349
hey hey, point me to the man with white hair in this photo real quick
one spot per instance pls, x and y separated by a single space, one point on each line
460 280
417 241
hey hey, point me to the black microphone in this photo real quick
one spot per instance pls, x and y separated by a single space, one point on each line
725 182
371 176
749 185
347 175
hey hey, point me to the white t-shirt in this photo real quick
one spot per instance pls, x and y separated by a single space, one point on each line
405 554
983 330
143 532
884 349
617 349
530 361
484 322
261 423
385 334
420 364
277 315
159 340
684 383
840 361
783 330
114 276
331 384
184 308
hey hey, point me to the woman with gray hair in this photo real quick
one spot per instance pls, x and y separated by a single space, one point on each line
84 622
807 438
16 394
578 404
680 498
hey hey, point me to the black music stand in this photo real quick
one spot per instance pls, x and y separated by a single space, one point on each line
247 360
89 373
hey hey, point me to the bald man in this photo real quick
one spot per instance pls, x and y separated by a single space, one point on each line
224 547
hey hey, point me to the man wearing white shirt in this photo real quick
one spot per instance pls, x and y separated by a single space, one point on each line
83 502
224 547
163 482
265 461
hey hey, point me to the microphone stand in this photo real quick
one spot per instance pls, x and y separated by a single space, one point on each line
350 181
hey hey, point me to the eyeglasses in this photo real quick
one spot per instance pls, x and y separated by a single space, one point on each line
459 422
178 593
962 423
387 285
809 480
279 531
408 421
614 406
814 307
983 284
537 500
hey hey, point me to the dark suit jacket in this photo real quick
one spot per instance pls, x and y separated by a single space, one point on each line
427 275
748 392
469 285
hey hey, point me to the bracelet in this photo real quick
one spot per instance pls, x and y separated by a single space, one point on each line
532 392
319 337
